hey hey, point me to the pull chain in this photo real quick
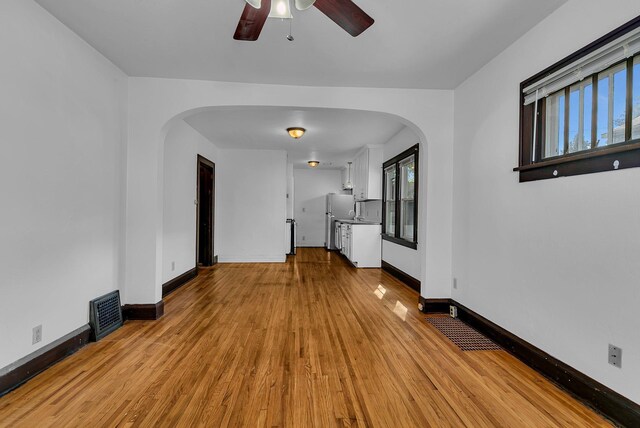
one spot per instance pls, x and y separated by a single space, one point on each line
290 36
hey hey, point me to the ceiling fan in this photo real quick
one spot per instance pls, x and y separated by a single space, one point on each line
345 13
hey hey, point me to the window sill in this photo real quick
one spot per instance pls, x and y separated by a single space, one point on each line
402 242
598 160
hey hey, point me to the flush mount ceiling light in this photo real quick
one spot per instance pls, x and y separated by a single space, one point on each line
296 132
313 164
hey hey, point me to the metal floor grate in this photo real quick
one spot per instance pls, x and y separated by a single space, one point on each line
105 314
463 336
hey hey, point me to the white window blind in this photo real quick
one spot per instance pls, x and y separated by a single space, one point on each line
598 60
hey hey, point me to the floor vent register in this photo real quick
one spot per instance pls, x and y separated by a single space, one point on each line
463 336
105 315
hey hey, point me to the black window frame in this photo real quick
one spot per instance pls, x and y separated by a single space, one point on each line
532 166
396 161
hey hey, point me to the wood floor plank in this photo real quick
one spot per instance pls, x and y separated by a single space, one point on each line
313 342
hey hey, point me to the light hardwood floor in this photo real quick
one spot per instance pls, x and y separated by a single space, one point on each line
308 343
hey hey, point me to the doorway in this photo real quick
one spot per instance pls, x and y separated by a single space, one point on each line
205 212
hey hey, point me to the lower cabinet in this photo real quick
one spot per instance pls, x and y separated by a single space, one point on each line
362 245
345 248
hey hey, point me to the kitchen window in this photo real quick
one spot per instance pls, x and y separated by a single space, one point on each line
582 115
400 199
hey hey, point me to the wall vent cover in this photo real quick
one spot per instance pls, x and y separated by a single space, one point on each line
105 315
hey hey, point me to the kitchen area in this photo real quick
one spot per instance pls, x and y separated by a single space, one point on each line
354 228
351 211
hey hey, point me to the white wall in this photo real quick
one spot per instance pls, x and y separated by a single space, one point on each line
406 259
182 147
311 188
370 210
61 169
525 255
251 205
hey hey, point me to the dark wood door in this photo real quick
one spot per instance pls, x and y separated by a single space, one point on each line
205 211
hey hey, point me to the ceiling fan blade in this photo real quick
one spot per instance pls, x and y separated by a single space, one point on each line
346 14
304 4
252 21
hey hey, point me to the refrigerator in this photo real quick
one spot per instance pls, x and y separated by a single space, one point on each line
339 207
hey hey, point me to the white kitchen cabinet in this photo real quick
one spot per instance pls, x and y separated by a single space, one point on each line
345 240
362 245
359 179
337 230
367 177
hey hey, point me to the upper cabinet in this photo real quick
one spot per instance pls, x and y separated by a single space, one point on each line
367 174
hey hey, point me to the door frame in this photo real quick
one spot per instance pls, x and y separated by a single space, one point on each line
201 160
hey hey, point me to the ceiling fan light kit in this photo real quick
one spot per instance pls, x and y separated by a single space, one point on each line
345 13
255 3
280 9
304 4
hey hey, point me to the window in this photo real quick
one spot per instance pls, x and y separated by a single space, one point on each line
400 199
390 200
582 115
635 114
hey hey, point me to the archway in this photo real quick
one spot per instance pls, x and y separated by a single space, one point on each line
334 136
156 104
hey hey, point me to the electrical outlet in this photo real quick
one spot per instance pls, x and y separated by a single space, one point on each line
453 311
173 266
37 334
304 210
455 283
304 237
615 356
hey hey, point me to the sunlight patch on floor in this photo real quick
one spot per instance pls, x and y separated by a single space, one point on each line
401 311
380 291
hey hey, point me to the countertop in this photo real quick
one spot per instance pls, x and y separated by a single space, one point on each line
357 222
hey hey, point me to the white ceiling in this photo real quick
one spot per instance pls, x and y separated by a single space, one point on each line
333 135
413 43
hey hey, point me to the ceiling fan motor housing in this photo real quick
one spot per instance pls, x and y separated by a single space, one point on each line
345 13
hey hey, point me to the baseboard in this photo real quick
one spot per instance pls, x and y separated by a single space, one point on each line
179 281
412 282
253 259
435 306
24 369
611 404
143 312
